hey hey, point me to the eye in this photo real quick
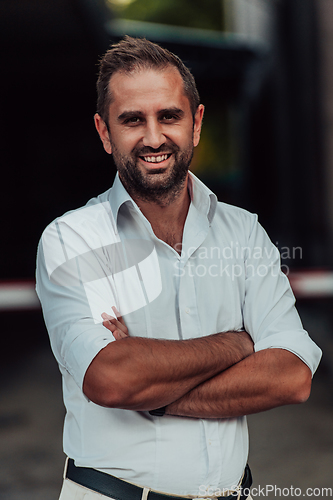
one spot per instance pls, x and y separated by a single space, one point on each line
169 117
133 120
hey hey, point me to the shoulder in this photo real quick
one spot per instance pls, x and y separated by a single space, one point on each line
82 218
237 217
96 205
79 231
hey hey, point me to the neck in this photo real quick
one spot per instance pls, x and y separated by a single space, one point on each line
166 211
167 217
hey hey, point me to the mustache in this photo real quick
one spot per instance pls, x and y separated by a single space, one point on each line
164 148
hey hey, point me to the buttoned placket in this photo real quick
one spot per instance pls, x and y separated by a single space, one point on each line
195 233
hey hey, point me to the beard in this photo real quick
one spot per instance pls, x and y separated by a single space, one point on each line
160 186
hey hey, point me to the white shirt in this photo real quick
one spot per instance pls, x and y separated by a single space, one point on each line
227 278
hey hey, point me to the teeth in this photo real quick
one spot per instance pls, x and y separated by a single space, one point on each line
155 159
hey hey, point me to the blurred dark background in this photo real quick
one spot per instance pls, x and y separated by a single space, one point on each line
264 73
262 145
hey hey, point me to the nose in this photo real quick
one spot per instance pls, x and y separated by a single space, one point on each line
153 136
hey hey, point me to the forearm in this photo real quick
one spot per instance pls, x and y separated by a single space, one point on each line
141 374
262 381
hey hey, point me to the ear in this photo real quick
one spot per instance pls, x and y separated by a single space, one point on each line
103 132
197 124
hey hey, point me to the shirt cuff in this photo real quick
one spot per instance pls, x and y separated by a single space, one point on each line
299 343
83 349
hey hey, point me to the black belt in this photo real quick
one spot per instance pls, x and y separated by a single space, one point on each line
114 487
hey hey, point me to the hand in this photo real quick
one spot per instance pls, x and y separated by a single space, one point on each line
115 325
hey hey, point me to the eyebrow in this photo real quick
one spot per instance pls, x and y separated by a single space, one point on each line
173 110
131 114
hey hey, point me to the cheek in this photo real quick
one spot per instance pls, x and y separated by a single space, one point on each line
183 140
128 142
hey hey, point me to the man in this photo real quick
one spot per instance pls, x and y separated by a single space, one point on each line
167 311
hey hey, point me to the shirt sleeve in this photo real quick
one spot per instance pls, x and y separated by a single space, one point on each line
269 311
74 288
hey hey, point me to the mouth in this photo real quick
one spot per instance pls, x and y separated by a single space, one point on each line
157 159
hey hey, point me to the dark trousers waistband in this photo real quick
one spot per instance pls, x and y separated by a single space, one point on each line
118 489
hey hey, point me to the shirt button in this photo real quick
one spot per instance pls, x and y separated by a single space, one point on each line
187 310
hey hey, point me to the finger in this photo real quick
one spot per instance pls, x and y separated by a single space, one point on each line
117 335
119 325
107 316
113 326
118 315
112 320
119 321
110 326
116 332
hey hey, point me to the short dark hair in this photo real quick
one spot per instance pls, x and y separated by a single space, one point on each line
138 53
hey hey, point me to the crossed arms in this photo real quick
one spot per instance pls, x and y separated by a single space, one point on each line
218 376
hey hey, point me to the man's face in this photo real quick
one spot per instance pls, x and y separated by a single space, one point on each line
152 133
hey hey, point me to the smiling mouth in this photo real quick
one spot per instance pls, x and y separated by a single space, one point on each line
155 159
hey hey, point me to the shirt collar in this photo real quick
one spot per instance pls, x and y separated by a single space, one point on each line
118 196
203 199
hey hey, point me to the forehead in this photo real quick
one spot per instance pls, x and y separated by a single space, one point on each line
148 88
